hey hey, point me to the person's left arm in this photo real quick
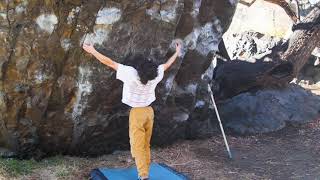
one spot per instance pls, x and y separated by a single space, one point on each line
102 58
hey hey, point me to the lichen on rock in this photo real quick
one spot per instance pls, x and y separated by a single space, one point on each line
165 10
108 15
47 22
84 89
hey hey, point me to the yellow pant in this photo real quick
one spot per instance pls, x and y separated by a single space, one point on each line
140 131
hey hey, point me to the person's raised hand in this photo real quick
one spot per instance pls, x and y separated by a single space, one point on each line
88 47
178 47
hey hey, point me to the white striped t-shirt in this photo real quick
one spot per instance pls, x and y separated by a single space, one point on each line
134 93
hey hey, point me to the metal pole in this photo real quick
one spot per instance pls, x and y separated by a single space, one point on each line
221 127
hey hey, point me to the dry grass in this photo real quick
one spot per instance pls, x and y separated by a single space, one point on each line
292 153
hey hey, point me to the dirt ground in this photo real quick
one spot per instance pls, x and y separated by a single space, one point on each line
292 153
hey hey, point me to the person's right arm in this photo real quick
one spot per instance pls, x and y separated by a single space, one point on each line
103 59
173 57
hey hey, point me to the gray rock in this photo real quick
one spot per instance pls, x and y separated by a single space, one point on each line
269 110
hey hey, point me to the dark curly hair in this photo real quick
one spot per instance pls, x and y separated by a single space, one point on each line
147 69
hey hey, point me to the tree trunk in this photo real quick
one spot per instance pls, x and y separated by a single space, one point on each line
274 70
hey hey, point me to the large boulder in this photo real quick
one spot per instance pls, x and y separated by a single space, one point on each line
54 98
269 110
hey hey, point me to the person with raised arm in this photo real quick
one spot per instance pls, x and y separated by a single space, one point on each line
139 83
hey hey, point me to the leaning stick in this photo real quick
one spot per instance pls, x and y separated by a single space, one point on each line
221 127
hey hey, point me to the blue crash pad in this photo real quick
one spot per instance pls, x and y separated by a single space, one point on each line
157 172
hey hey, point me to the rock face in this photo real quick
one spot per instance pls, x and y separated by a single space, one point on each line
54 98
250 45
275 20
271 18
